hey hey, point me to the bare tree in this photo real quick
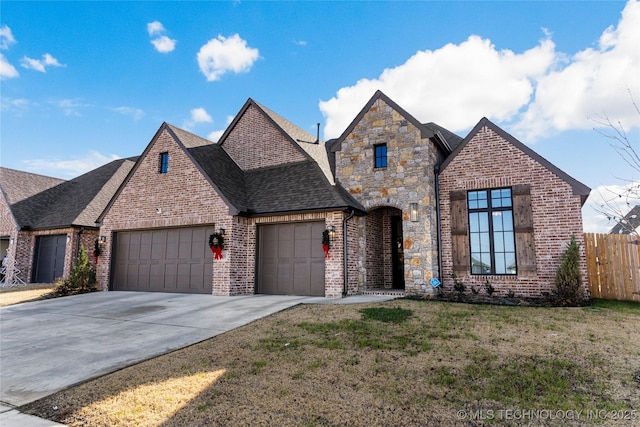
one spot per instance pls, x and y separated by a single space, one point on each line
617 203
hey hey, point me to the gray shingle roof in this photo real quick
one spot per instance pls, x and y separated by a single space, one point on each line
287 188
77 202
19 185
629 223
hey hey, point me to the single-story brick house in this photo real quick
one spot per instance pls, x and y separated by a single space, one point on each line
401 202
45 220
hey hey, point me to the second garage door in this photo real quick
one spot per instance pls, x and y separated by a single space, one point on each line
290 259
164 260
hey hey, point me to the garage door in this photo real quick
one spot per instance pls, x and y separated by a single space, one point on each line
48 261
164 260
290 259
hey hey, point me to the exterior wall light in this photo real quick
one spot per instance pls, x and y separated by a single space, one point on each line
103 239
332 230
413 212
222 231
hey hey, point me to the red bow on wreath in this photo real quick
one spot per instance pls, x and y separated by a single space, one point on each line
216 243
325 243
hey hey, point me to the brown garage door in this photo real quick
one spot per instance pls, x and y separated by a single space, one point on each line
164 260
290 259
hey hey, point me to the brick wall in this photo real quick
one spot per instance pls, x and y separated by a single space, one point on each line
254 142
408 178
488 161
183 195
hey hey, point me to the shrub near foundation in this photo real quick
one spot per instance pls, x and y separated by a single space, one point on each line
568 283
82 278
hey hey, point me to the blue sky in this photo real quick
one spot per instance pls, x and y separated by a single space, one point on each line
83 83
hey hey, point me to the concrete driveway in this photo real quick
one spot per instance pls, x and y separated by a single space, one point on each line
49 345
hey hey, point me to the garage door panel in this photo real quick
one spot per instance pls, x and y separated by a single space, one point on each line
288 263
166 260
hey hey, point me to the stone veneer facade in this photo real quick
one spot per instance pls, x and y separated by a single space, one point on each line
489 161
408 178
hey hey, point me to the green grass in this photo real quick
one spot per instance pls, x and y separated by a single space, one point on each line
625 307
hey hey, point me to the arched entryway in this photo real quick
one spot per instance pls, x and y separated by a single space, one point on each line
384 257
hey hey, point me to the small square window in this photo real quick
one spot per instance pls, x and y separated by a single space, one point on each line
380 152
164 162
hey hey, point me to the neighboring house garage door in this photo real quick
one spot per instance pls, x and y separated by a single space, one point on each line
291 259
48 261
163 260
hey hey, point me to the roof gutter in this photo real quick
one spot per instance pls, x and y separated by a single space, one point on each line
345 264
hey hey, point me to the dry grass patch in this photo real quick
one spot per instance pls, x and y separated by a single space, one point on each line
16 294
398 363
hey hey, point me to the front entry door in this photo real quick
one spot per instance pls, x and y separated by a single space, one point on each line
397 252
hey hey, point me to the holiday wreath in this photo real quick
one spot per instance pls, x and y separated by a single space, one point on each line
325 243
96 250
216 243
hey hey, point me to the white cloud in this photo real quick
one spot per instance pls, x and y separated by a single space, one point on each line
537 92
300 42
70 107
226 54
69 168
595 81
432 84
164 44
605 207
16 106
136 113
6 37
216 134
7 71
198 115
155 27
40 64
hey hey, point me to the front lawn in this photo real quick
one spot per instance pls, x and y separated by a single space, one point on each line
403 362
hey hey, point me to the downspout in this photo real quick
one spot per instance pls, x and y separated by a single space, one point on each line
436 172
345 275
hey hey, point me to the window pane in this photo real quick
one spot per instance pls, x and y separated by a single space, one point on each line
482 200
507 220
498 242
500 264
497 221
484 221
380 153
484 242
475 242
509 245
496 200
474 224
485 259
473 199
510 259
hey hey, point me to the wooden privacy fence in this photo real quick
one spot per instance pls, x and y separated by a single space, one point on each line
613 266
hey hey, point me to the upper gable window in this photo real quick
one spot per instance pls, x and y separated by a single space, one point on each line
164 163
380 154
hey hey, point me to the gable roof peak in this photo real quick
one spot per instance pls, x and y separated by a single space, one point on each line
425 132
578 187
